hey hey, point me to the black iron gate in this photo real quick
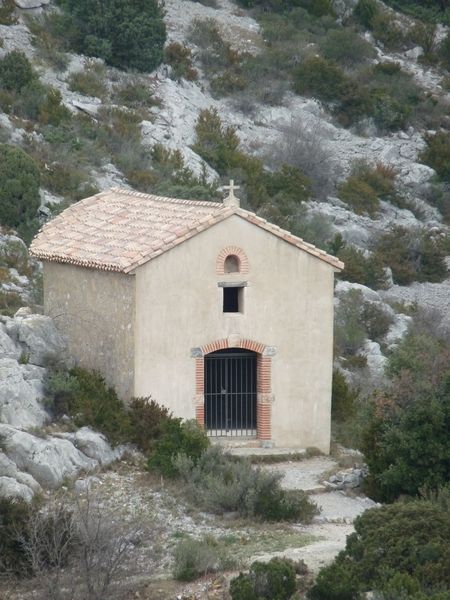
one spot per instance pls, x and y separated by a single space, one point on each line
230 392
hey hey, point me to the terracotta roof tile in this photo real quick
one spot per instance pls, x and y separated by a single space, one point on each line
119 230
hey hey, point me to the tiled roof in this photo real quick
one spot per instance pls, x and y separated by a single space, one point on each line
119 230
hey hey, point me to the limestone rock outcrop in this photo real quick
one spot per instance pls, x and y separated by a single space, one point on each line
30 458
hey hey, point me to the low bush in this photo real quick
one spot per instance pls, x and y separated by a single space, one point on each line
135 94
365 12
7 13
126 34
376 319
343 398
14 514
220 483
412 255
16 71
177 438
90 81
318 77
196 558
359 195
86 397
350 332
437 154
346 47
397 551
147 422
19 189
179 57
362 268
274 580
386 30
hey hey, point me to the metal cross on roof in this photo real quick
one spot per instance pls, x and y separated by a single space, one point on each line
231 199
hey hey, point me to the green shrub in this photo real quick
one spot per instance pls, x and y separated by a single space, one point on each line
90 81
359 195
179 57
135 94
16 71
216 144
386 31
90 401
177 437
365 11
318 77
403 547
346 47
437 154
147 421
342 398
126 34
7 10
274 580
52 110
360 268
219 483
350 332
412 255
405 441
14 514
19 188
376 320
196 558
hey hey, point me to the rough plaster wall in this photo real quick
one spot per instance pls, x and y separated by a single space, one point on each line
288 304
95 312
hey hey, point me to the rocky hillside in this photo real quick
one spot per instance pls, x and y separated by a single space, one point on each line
359 150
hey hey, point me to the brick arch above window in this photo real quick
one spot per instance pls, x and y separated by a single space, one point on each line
232 251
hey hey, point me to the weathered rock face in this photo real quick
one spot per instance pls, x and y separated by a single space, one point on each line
93 445
21 392
29 461
50 459
27 4
38 337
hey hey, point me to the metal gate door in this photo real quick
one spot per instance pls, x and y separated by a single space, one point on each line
230 392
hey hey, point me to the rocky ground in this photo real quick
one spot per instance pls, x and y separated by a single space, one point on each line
133 495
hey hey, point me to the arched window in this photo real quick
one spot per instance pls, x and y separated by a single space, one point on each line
232 264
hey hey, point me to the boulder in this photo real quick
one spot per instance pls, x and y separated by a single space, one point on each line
8 348
27 4
37 334
21 390
93 445
10 488
9 469
49 460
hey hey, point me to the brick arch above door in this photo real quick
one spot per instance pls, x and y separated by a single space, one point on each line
264 379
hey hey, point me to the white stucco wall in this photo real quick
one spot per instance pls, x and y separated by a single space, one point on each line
288 304
95 311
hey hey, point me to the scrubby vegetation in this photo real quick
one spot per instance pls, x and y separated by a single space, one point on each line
19 190
399 551
406 441
124 34
276 195
220 483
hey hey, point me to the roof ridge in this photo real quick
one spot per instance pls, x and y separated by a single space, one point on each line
210 203
284 234
196 227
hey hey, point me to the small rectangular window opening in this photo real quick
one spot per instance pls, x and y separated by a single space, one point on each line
233 299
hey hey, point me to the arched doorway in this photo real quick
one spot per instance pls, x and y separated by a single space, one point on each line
230 392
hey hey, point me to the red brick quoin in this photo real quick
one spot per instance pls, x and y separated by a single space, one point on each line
264 383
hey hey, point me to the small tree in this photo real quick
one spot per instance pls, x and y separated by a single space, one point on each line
19 187
16 71
125 33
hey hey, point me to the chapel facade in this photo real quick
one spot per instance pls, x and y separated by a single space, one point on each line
207 308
